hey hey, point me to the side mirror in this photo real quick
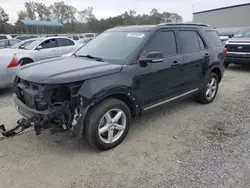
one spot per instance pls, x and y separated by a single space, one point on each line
231 36
152 57
39 47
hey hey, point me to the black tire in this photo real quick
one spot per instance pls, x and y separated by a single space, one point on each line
226 64
26 61
202 97
94 116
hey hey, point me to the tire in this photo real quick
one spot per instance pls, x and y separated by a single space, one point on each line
25 61
95 119
205 98
226 64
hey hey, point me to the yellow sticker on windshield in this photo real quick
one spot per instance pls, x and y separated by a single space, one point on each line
137 35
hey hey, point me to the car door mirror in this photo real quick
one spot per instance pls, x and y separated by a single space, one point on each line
39 47
152 57
231 36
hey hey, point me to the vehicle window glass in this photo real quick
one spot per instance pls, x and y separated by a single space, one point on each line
51 43
202 45
214 37
12 42
81 37
75 37
164 42
65 42
189 41
120 45
2 43
33 44
3 37
89 35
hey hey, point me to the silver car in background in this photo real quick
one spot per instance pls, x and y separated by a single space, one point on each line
40 49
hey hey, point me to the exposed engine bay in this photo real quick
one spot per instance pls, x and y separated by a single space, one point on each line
47 106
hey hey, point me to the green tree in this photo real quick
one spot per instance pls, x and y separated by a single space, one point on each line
4 18
42 11
30 10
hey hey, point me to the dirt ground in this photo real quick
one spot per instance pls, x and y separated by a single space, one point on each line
184 145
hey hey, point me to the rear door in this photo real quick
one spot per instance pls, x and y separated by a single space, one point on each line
196 55
49 50
65 46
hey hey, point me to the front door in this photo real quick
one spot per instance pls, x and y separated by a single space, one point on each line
48 50
158 81
195 55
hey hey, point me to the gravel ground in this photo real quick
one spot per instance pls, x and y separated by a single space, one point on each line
184 145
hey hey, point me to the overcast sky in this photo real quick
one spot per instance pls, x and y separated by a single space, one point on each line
106 8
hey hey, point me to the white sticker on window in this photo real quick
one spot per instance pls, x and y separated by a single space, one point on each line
138 35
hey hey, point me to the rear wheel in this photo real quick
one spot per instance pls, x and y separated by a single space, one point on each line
209 91
107 124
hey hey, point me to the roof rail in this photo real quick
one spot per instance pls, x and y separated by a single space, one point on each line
187 24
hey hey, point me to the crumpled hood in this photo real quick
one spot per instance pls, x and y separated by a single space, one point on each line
66 70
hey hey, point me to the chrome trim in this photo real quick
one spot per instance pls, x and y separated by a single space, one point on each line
157 60
171 99
229 43
239 53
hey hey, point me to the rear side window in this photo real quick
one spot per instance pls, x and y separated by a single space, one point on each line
3 37
214 37
2 43
164 42
189 41
65 42
75 37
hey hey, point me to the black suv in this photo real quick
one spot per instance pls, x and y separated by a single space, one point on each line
119 75
237 49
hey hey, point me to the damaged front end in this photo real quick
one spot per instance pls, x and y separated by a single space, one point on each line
49 106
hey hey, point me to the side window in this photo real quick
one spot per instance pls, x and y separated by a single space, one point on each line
2 43
164 42
12 42
202 44
51 43
75 37
189 41
3 37
65 42
214 37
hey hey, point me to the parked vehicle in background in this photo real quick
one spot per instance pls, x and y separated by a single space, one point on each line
227 33
77 38
123 73
25 37
6 43
40 49
5 37
237 49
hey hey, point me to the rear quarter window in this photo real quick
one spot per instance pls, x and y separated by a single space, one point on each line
214 38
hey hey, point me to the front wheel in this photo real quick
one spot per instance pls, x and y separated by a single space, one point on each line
209 91
107 124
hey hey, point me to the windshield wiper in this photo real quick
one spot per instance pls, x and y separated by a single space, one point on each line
90 57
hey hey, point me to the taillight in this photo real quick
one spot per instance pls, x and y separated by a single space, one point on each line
14 63
225 51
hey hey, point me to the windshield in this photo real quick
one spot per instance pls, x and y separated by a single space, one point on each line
22 43
243 33
112 45
33 44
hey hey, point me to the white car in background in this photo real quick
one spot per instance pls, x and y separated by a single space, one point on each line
40 49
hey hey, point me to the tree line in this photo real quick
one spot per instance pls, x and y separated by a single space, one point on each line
79 21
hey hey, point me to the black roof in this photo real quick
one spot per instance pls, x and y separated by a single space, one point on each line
234 6
146 28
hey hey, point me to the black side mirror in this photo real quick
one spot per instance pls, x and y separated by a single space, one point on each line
231 36
152 57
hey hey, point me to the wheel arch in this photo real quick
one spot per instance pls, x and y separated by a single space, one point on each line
218 72
26 58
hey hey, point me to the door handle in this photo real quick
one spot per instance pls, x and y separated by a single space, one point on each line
207 55
175 64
